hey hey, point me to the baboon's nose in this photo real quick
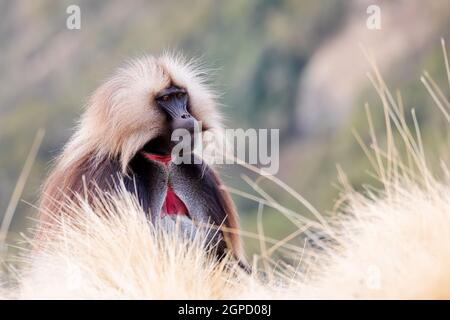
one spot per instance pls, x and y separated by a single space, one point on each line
185 121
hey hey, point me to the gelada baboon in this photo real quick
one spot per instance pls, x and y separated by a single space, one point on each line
125 134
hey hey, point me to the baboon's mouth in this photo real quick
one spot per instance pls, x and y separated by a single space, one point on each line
161 145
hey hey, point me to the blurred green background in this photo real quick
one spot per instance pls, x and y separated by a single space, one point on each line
292 65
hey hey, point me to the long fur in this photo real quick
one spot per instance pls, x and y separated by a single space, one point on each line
120 118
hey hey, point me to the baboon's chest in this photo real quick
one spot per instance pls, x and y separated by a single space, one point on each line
172 205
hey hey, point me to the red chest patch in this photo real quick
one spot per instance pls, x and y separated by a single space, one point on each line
172 205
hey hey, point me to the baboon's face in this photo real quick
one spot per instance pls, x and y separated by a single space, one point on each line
174 102
145 102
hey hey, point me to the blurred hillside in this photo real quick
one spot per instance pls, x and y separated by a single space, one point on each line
293 65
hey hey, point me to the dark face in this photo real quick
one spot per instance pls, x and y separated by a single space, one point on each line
173 101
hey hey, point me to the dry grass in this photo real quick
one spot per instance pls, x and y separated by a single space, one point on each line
123 257
397 247
389 243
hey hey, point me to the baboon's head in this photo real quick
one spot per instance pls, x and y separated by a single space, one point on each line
140 106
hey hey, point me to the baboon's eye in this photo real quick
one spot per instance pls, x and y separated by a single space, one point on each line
165 97
180 95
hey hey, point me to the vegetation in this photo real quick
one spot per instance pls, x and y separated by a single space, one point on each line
385 242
